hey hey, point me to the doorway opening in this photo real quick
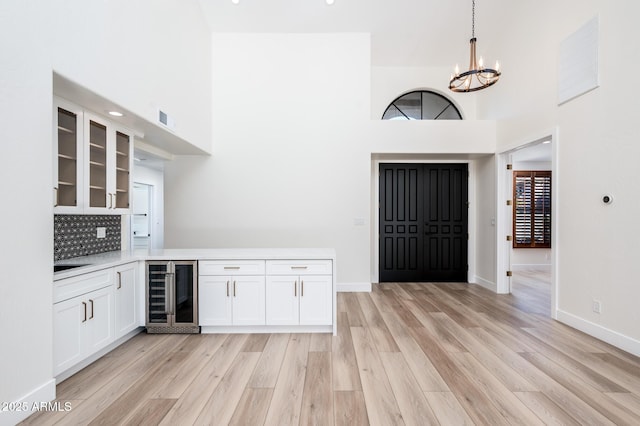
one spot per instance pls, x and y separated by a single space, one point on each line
142 221
532 279
423 222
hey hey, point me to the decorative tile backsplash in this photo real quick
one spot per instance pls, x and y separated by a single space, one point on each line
76 235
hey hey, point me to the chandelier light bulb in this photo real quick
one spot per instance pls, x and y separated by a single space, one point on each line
457 70
497 66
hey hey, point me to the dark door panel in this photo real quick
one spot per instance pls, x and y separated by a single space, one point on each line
423 222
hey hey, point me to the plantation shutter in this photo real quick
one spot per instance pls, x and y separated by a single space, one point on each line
532 209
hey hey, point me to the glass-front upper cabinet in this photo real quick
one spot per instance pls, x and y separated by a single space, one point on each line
68 152
97 164
108 150
123 169
92 162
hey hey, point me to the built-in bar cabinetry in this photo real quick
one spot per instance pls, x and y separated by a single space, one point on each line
93 161
232 292
266 295
91 312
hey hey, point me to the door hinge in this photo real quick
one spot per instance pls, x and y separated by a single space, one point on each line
509 166
509 238
508 202
509 273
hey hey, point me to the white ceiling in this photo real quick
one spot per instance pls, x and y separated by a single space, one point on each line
403 32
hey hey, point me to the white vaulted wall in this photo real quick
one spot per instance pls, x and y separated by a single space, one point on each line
293 139
597 143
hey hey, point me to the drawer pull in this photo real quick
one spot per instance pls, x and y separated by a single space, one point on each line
231 267
299 267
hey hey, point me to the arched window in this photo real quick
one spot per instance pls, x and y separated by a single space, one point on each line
422 105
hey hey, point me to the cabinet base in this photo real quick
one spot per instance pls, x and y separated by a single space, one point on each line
258 329
177 329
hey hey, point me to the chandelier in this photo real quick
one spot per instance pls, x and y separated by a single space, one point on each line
478 77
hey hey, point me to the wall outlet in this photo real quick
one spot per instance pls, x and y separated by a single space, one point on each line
101 232
596 306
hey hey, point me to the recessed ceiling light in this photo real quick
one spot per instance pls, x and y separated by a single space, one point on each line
329 2
116 113
235 1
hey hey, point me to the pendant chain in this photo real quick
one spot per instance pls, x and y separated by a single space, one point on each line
473 19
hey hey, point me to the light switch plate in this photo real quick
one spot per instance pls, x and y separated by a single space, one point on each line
101 232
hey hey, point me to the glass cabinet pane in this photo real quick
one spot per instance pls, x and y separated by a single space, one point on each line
157 296
184 294
97 164
67 185
122 170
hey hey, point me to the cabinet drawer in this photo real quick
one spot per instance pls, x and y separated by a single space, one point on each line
81 284
231 267
299 267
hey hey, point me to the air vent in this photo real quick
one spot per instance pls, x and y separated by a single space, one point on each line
166 120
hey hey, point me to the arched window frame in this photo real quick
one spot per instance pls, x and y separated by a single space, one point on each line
450 106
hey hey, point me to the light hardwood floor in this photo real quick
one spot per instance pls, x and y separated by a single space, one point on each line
415 354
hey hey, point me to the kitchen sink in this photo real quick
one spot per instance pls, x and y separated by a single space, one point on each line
58 268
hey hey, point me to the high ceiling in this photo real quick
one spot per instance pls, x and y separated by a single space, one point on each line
403 32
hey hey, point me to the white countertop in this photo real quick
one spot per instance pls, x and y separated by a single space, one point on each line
107 260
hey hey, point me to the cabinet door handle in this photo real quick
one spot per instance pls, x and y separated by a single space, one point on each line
91 301
55 188
295 288
234 289
119 280
227 288
301 288
84 304
113 204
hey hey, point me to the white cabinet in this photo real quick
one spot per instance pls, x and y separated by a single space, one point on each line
82 326
231 293
107 151
92 162
90 312
68 157
301 297
126 303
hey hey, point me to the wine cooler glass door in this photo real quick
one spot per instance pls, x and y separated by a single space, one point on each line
185 296
158 293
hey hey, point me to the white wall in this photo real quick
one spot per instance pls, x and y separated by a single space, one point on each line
597 153
485 226
142 55
26 219
293 140
111 48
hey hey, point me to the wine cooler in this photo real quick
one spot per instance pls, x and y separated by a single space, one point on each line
172 297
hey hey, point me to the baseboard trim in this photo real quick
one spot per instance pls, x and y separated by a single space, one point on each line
353 288
29 404
489 285
614 338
